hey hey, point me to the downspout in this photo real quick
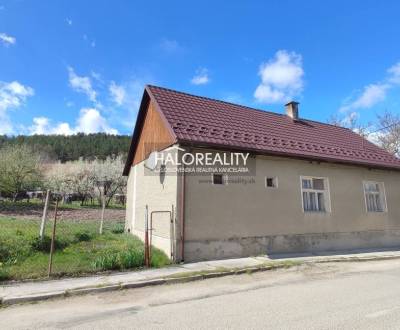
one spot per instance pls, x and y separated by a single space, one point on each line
183 213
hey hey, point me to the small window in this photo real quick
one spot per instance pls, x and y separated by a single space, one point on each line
375 198
315 194
271 182
218 178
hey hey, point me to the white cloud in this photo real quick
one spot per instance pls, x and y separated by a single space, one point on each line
201 77
93 44
125 97
371 95
7 40
82 84
281 78
12 95
127 94
89 121
118 93
40 125
170 46
69 21
394 74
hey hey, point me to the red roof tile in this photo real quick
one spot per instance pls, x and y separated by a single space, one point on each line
205 121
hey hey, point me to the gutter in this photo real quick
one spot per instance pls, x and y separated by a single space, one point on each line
182 204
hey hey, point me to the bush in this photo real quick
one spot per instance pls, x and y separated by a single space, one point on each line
83 236
4 275
14 248
118 229
44 244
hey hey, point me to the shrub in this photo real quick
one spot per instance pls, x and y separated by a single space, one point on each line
83 236
118 229
43 244
13 248
4 275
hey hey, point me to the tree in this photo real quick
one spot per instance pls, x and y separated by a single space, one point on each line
72 178
108 177
20 170
88 178
389 132
351 121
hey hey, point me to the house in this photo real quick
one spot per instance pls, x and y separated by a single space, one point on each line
309 186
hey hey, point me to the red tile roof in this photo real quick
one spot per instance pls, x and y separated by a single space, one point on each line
200 120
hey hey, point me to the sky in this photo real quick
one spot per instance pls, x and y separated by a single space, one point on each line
81 66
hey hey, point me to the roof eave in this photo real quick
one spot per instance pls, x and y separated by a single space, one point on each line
288 155
146 98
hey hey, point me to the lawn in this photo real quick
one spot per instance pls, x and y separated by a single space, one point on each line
79 249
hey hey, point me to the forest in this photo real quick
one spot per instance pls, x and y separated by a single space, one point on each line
73 147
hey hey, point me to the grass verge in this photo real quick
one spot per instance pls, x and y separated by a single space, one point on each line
79 250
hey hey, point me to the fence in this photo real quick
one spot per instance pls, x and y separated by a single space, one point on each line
79 247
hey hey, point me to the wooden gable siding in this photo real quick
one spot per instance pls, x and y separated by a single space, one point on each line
154 136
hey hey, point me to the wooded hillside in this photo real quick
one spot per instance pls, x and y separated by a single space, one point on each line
73 147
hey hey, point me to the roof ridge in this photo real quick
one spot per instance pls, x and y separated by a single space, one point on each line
247 107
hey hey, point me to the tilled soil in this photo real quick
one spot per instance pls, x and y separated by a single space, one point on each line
35 212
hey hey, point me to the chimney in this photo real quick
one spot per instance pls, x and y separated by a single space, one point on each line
292 110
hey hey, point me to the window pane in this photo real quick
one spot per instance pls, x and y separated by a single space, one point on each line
313 201
321 202
318 184
306 202
371 187
271 182
378 203
218 179
307 183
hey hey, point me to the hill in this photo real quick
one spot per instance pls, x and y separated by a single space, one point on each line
73 147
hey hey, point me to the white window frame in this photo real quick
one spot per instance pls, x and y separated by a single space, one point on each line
275 180
382 193
326 192
224 179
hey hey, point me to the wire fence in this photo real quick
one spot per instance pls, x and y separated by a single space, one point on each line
78 246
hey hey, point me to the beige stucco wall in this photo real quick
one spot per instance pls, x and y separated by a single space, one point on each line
160 194
237 220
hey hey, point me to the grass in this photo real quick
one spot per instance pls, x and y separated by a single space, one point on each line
79 249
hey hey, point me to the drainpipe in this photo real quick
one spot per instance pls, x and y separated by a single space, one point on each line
183 213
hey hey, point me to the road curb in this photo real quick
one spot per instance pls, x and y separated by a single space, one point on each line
179 278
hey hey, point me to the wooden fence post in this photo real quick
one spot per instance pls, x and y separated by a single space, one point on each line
53 237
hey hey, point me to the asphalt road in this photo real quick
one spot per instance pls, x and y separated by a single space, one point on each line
348 295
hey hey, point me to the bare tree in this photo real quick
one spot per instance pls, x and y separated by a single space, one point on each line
351 121
389 132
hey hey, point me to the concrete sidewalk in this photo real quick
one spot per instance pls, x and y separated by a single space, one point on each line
13 293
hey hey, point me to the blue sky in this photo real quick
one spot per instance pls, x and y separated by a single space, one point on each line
69 66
